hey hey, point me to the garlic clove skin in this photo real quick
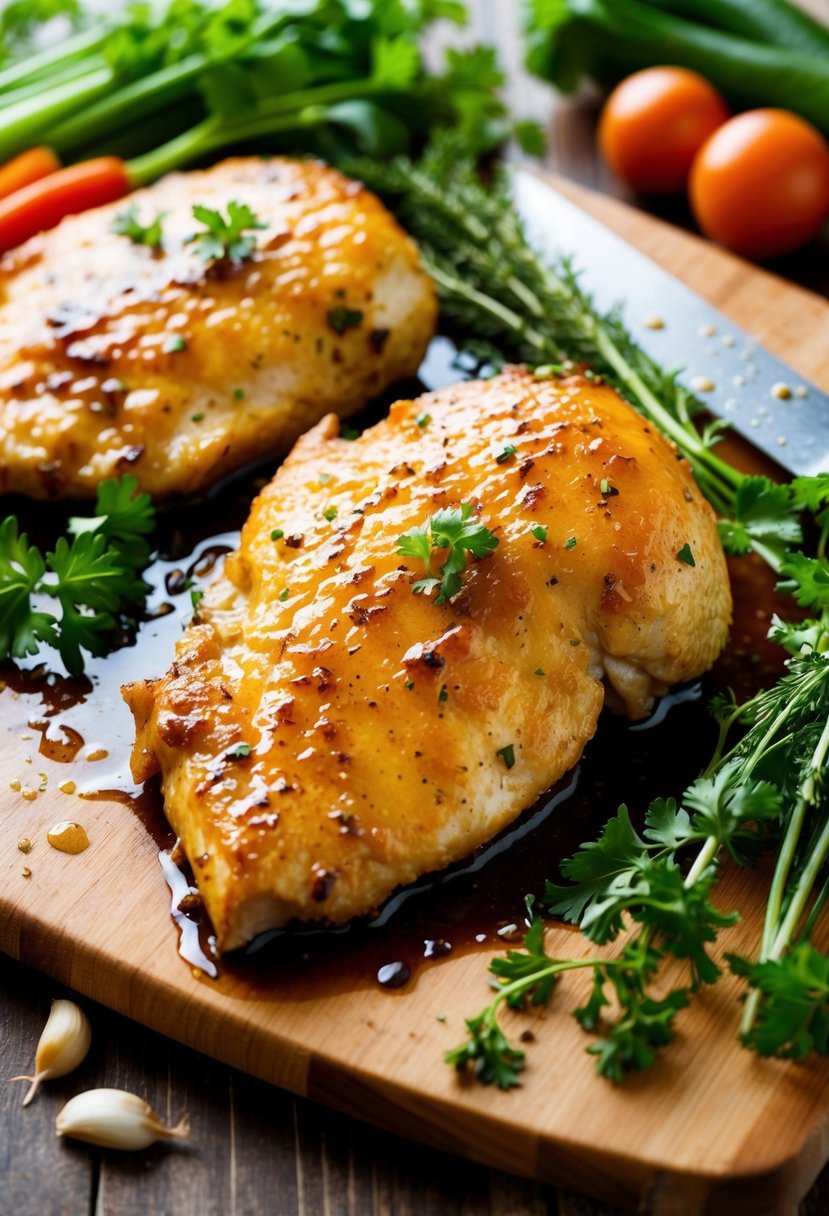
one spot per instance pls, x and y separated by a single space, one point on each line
114 1118
62 1046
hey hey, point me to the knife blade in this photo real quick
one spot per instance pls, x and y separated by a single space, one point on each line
695 336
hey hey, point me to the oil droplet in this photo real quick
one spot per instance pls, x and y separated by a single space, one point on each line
28 794
67 787
654 322
781 391
16 786
26 872
393 975
707 331
68 837
99 753
24 844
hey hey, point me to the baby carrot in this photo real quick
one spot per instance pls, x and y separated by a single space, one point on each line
26 168
44 203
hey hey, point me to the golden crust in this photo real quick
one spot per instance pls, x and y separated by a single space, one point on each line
115 358
361 774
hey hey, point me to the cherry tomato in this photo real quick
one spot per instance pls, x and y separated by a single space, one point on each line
654 123
760 185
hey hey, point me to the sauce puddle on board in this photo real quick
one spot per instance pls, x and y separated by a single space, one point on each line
82 732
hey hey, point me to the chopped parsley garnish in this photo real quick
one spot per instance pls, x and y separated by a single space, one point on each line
341 318
224 236
443 695
174 343
685 555
606 488
539 671
196 597
239 752
508 450
238 394
570 543
283 595
277 534
324 479
423 419
127 223
507 754
330 513
197 417
451 528
539 532
349 432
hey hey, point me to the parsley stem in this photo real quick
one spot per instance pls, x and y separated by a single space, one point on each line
556 967
703 859
776 936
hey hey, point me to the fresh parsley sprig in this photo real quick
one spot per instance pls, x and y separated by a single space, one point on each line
225 238
92 577
453 529
127 223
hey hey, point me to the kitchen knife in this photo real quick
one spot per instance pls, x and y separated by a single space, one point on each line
706 345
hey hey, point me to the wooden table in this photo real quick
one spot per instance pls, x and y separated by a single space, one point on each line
257 1150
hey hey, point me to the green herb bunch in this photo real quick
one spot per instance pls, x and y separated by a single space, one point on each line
72 596
328 76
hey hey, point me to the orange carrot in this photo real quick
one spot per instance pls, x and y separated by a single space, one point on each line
44 203
26 168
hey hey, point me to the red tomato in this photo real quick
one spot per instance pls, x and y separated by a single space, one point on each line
654 123
760 185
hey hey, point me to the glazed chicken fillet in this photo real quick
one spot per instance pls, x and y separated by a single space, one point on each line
378 730
118 358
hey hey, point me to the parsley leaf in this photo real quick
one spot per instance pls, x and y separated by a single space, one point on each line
807 579
127 223
793 1012
93 577
763 517
124 516
88 576
22 629
223 237
598 867
453 529
341 318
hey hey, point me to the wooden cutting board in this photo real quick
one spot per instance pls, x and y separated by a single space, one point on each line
709 1129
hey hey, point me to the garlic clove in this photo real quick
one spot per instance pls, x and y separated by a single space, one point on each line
114 1118
63 1044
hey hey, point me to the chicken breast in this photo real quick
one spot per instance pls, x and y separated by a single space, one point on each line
115 357
325 735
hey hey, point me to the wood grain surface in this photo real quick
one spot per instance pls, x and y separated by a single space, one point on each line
256 1148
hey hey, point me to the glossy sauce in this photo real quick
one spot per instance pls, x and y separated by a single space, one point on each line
477 903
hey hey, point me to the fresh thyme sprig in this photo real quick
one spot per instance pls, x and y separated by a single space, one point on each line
506 303
93 577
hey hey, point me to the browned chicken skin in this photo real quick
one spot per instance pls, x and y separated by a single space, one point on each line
377 728
117 358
